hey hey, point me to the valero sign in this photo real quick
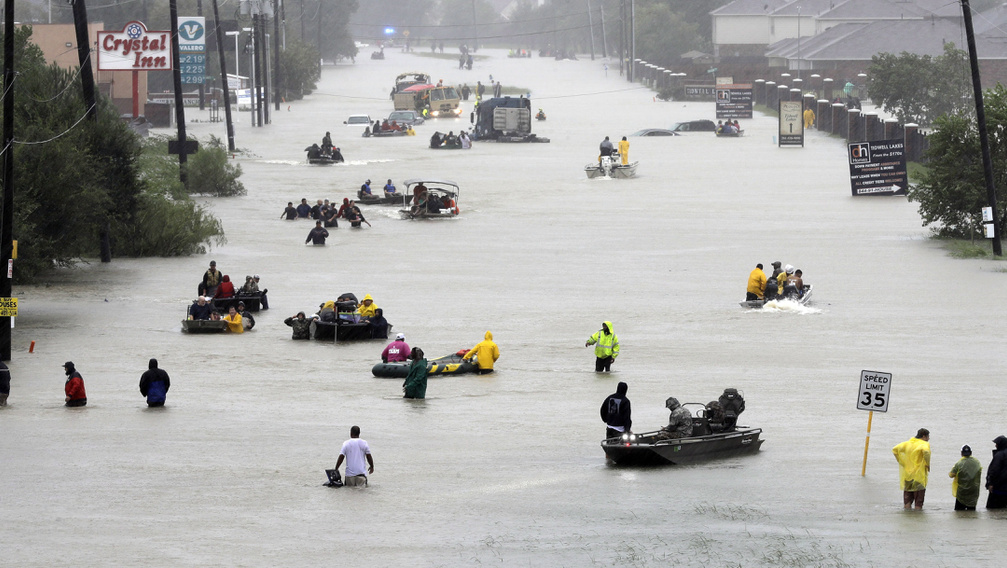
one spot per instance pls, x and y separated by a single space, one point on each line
134 49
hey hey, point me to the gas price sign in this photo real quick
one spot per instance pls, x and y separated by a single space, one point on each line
874 390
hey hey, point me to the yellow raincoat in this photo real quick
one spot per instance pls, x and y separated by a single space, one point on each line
368 311
234 323
486 352
624 151
605 344
914 463
757 282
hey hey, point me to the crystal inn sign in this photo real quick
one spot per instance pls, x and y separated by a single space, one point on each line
134 49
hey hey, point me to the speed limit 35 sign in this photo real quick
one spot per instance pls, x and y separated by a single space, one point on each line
874 390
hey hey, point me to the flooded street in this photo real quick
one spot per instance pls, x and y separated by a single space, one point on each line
506 469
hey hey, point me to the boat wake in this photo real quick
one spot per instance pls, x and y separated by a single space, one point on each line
789 306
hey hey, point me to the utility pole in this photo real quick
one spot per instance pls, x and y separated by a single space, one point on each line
179 107
622 36
87 86
984 140
202 86
7 216
604 37
590 23
256 46
223 75
632 38
276 52
475 28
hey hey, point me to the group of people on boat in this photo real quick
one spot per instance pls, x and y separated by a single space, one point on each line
424 201
327 213
785 283
343 309
393 126
719 415
606 148
389 189
325 150
449 140
484 354
219 286
728 127
238 318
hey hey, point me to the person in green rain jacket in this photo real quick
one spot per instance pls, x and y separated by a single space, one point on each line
415 385
968 476
606 348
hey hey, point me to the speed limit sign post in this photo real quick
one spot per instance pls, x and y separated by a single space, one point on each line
873 395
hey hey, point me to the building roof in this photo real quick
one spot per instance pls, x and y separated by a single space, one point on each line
750 7
939 8
992 22
805 8
873 10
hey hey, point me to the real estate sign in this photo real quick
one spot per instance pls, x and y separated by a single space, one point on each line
734 101
878 167
791 125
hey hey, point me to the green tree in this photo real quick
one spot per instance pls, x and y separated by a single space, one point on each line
952 191
920 88
663 35
299 72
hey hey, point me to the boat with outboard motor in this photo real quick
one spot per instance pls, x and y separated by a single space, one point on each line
340 321
400 199
452 364
611 167
431 199
369 133
203 326
802 298
316 155
715 434
734 134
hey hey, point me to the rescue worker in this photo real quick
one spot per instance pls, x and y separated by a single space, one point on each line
301 326
486 353
809 118
211 279
913 456
679 423
367 308
616 413
396 351
967 475
390 189
415 385
233 319
605 148
365 188
756 284
606 347
624 150
154 384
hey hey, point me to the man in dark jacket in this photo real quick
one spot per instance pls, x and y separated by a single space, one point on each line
615 411
317 235
154 384
996 476
301 325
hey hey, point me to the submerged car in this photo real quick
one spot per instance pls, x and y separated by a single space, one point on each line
358 120
410 117
654 132
694 126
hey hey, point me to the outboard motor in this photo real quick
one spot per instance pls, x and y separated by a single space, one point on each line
772 286
606 165
733 404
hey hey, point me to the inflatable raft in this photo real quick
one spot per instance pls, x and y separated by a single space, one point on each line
447 365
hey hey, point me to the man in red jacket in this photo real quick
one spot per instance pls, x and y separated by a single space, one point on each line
75 395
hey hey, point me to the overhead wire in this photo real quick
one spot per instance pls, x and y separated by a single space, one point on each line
60 135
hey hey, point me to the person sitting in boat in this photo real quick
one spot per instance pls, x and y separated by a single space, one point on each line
605 148
301 326
390 189
733 404
233 319
200 310
737 127
396 351
327 143
314 152
715 416
395 126
376 128
728 128
367 308
679 422
756 284
327 311
540 115
790 284
247 321
378 325
263 302
215 315
436 140
798 280
337 155
434 205
249 287
226 289
303 210
365 189
720 126
451 141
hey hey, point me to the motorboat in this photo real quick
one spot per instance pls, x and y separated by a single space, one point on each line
431 199
343 323
802 299
400 199
253 302
369 133
318 156
452 364
735 134
715 434
611 167
203 326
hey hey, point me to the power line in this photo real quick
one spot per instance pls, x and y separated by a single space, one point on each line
60 135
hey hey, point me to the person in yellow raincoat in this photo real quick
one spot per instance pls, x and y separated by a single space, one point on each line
913 456
809 118
233 319
624 150
367 308
486 353
756 284
606 348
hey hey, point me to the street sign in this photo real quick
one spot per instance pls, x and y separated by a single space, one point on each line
874 390
8 307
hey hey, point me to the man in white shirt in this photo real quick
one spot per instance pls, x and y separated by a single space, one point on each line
354 451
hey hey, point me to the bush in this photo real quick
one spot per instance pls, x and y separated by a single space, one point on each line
210 172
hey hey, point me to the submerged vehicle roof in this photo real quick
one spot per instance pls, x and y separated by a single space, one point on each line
415 74
417 181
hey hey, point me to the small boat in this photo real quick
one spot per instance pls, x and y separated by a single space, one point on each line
737 134
317 156
650 449
203 326
803 299
344 329
610 167
431 199
447 365
399 199
368 133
